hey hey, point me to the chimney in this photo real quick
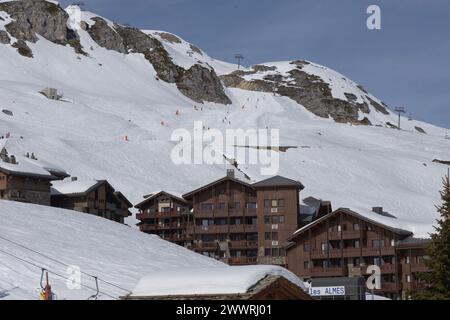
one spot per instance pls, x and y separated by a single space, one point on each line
13 159
74 179
230 173
378 210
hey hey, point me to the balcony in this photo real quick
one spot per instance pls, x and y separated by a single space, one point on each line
251 228
203 214
207 245
390 286
252 244
236 212
241 260
388 268
327 272
211 229
319 254
335 253
419 268
352 252
238 244
388 251
237 228
250 212
334 235
351 234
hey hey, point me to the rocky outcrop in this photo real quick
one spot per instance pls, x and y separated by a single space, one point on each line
39 17
199 83
4 38
104 36
23 48
306 89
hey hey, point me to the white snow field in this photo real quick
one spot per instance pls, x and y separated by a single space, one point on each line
115 253
205 281
108 95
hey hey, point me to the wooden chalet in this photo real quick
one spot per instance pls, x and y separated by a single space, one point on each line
166 215
95 197
343 243
220 283
26 180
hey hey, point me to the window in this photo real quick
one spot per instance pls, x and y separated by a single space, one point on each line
356 226
274 203
378 243
267 203
306 247
207 206
222 205
325 264
267 220
275 219
281 219
275 252
408 259
323 246
275 236
237 205
306 265
356 244
267 236
281 202
267 252
251 205
408 278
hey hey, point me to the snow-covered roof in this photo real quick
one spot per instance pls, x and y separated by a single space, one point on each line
24 167
208 281
74 187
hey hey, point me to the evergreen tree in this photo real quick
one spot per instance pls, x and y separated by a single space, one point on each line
438 280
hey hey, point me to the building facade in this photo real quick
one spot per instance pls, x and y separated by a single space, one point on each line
167 216
229 220
24 181
344 243
95 197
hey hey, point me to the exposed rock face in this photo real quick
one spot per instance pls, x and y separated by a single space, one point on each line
306 89
23 48
39 17
198 83
4 38
106 37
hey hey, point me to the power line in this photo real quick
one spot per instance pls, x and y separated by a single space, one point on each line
61 263
53 272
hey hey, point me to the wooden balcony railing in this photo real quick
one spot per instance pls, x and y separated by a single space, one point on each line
327 272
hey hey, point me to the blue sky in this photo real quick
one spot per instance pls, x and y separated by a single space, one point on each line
406 63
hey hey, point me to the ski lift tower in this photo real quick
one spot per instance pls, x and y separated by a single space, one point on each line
239 57
400 110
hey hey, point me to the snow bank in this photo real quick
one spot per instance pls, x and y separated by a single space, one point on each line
114 252
204 281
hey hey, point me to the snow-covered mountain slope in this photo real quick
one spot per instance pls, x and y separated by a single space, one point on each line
53 238
109 95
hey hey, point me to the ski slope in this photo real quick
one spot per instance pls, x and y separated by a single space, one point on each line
108 95
118 255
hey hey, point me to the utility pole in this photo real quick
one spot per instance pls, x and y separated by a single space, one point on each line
399 110
239 57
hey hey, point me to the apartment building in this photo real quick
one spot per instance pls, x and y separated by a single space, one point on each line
344 243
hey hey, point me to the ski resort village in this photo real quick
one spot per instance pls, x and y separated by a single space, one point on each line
334 199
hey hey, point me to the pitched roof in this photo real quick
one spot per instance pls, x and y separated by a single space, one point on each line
278 181
210 281
411 242
76 188
25 168
226 178
350 212
157 194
